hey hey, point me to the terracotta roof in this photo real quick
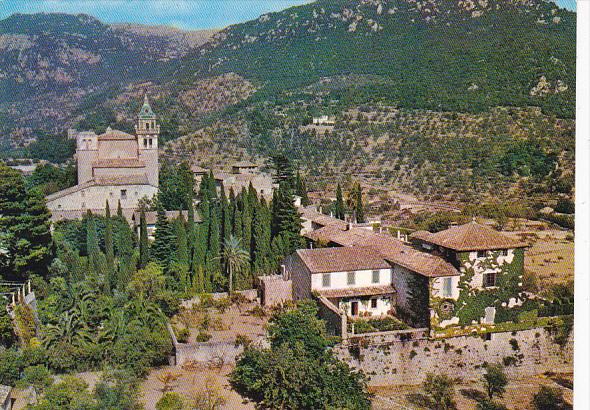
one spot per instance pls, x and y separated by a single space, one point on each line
198 170
115 135
339 235
342 259
473 237
69 190
423 263
311 214
122 180
422 235
118 163
388 247
101 181
360 291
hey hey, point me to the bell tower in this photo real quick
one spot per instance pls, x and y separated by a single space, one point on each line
147 131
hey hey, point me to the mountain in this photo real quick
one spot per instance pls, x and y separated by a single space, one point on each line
436 97
50 63
460 55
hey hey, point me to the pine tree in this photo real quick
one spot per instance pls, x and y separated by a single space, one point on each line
339 206
25 227
286 220
161 249
144 251
283 170
109 248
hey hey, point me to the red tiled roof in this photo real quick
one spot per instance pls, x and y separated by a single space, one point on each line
360 291
118 163
342 259
115 135
472 237
388 247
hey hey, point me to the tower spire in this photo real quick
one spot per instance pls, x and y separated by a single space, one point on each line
146 112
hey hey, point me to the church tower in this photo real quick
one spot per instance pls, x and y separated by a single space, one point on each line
147 131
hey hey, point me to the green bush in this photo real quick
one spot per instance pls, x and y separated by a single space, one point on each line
202 337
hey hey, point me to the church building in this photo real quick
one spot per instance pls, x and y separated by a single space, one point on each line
114 167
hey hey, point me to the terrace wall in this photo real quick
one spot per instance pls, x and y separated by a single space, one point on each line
385 362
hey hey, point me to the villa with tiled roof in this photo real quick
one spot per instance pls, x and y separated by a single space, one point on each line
114 166
460 276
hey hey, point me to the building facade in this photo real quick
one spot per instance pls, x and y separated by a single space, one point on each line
114 166
465 275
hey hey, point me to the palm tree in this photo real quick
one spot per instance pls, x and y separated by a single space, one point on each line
236 258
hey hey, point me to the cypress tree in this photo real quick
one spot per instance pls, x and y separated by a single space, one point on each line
124 249
108 246
339 206
226 222
191 234
301 189
214 246
119 209
261 250
92 246
181 256
359 209
144 252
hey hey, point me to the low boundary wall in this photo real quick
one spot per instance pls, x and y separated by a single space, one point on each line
524 353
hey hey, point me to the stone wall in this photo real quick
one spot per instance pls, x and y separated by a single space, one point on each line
207 352
525 352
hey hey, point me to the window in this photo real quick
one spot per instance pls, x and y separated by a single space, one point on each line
373 303
447 287
83 194
482 254
489 280
145 142
504 252
123 194
351 278
326 280
376 276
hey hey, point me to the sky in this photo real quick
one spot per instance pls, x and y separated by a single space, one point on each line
185 14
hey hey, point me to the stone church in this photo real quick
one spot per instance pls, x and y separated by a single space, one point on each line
114 167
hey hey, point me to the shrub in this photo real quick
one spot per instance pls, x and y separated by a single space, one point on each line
549 398
203 337
182 335
565 206
170 401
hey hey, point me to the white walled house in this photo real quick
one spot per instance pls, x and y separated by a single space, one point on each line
462 276
356 279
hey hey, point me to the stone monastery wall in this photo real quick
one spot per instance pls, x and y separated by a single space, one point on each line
525 352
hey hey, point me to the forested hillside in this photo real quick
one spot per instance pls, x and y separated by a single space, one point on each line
433 97
439 54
